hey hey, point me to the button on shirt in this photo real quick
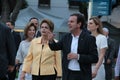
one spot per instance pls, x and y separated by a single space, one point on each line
73 64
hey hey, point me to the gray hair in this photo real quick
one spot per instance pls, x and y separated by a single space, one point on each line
105 29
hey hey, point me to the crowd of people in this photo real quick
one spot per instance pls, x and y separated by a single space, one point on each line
84 53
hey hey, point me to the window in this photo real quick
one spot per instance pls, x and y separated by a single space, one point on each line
44 3
73 3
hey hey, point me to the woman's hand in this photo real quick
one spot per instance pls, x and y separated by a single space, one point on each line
22 76
50 36
94 73
11 68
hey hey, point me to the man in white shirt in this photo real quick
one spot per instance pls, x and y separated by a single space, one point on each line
79 50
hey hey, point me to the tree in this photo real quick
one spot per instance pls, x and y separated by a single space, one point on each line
83 7
9 9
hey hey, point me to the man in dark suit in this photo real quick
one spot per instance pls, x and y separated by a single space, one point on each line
7 51
17 40
16 35
79 50
36 23
109 55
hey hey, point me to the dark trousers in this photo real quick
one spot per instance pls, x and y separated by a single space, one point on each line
108 71
74 75
12 75
4 78
46 77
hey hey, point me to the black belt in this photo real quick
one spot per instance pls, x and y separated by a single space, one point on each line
73 71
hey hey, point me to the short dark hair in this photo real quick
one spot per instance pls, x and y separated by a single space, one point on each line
33 18
80 18
49 22
12 23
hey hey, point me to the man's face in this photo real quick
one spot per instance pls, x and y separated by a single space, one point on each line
10 25
72 23
35 21
105 33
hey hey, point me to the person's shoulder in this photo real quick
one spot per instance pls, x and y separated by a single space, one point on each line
3 26
86 34
22 42
90 37
111 39
36 40
66 36
101 36
17 33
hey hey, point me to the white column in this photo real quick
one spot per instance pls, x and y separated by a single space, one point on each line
90 9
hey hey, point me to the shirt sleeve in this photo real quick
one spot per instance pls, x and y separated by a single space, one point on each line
103 42
19 53
28 60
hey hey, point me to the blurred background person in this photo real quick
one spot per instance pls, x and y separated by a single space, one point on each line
95 27
117 66
7 51
17 40
16 35
41 62
116 51
109 55
29 33
36 23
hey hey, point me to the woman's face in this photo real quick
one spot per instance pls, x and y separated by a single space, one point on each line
44 28
31 32
92 26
